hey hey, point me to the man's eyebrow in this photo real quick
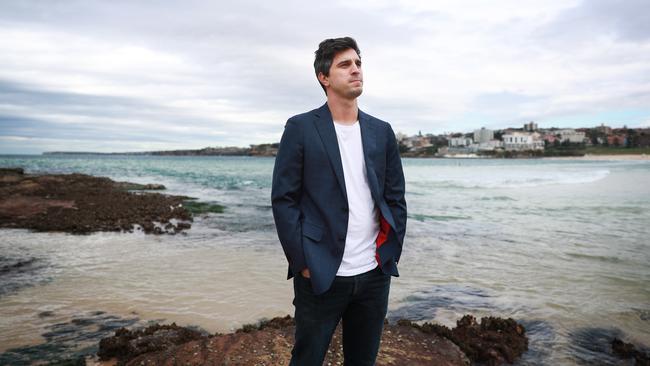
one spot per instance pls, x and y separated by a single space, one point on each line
348 60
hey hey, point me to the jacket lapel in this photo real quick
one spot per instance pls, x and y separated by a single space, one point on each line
325 126
368 140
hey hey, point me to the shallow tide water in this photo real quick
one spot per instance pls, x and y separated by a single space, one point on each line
561 246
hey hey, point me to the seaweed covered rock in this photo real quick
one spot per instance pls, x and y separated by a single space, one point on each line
628 350
81 204
128 344
492 342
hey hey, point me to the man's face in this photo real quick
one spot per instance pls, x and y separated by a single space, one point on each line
345 78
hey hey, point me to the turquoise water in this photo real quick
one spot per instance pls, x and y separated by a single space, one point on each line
559 245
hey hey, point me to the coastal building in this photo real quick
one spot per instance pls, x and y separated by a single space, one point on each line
550 138
523 141
416 143
460 141
572 136
483 135
488 145
602 129
616 140
530 126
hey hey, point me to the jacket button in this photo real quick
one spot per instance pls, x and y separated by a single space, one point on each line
344 209
342 237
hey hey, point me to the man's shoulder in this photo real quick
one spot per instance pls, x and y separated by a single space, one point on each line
304 116
375 121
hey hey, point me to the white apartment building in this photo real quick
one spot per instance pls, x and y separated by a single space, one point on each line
460 141
522 141
483 135
572 136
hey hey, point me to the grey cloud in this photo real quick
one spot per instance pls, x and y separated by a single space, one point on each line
20 94
33 128
238 49
232 27
127 109
242 54
625 20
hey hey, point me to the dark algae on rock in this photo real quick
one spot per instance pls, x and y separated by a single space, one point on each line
494 341
197 208
126 344
81 204
629 351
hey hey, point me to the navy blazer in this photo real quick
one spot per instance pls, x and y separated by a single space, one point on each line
310 205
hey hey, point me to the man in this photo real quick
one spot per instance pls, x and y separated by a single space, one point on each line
339 209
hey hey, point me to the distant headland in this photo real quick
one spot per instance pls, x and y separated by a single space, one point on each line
526 142
253 150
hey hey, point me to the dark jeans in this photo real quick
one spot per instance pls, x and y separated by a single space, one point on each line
361 301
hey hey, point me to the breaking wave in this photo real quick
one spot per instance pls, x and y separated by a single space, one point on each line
518 179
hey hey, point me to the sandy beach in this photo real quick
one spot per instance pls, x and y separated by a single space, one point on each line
590 157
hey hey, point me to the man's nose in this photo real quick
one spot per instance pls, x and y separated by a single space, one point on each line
356 69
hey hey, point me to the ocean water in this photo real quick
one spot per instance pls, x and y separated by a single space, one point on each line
562 246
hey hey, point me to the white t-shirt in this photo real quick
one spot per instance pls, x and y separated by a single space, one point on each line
363 222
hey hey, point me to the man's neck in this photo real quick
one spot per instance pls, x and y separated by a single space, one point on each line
344 111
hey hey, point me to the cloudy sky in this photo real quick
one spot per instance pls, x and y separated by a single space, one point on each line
153 75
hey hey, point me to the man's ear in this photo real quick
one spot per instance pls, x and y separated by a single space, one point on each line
323 79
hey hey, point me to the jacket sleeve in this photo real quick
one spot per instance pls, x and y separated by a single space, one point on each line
286 192
394 186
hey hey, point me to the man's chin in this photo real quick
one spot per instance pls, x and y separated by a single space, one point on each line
355 93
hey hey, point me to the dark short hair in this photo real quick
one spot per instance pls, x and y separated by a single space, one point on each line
326 52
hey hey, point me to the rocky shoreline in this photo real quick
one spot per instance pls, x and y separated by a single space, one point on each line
493 341
82 204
